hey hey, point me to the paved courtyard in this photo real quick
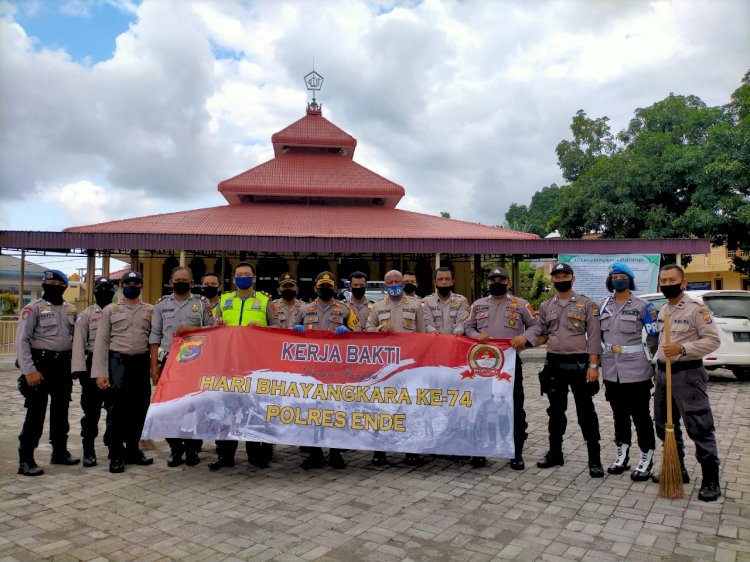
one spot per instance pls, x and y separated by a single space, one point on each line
445 510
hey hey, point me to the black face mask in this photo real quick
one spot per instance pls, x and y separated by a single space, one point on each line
103 298
410 288
210 292
671 291
131 291
181 287
563 286
53 293
445 291
288 294
498 289
358 292
325 294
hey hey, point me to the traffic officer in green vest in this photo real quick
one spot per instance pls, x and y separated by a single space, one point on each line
43 343
93 398
175 314
326 313
243 307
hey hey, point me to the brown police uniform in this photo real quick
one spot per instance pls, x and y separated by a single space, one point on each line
445 316
361 309
287 316
329 315
404 315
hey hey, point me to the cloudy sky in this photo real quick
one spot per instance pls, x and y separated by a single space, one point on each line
116 108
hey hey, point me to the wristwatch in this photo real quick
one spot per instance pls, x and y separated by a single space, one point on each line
594 366
683 351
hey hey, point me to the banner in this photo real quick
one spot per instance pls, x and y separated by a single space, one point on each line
416 393
591 271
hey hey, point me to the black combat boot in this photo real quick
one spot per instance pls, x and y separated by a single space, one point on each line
596 470
315 460
710 490
551 458
62 456
27 466
89 456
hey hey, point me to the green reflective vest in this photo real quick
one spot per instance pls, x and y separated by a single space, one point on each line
238 312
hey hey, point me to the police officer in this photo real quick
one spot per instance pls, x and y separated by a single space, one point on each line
243 307
502 316
397 312
211 289
693 335
93 398
288 308
445 312
121 363
176 314
571 322
359 303
626 369
410 283
326 313
43 343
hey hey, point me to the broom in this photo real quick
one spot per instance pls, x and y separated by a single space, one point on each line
670 477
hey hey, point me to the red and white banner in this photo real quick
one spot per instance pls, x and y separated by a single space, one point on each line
415 393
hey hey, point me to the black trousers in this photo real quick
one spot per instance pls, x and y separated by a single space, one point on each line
519 413
226 448
93 399
130 386
55 388
561 373
631 401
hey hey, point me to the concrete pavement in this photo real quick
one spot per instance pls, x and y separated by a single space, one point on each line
445 510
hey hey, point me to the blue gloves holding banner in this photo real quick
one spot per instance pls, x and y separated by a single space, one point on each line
298 328
341 330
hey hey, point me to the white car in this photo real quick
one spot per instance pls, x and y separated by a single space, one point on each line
731 312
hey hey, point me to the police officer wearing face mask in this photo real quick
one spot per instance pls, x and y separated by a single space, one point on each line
288 308
445 312
243 307
43 350
359 303
93 398
121 363
398 312
693 335
410 283
211 289
177 314
326 313
571 322
502 316
627 370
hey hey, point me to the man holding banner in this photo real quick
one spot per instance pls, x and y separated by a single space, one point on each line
501 316
325 313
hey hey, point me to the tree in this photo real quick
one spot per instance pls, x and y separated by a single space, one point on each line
445 214
538 216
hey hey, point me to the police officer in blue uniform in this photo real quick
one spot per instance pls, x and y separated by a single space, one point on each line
43 348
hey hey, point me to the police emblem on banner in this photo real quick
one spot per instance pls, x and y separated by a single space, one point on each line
486 360
190 348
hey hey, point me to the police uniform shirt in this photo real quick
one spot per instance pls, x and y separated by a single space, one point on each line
287 316
403 315
44 326
572 326
171 313
692 326
622 324
361 309
445 316
500 318
124 328
329 316
271 319
84 337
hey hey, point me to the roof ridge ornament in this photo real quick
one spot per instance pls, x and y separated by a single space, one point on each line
314 82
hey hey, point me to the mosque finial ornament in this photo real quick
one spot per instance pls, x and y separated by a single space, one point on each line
313 82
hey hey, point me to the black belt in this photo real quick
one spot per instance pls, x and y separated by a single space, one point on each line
47 354
558 358
120 354
681 365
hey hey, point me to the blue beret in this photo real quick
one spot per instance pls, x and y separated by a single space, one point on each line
619 267
56 274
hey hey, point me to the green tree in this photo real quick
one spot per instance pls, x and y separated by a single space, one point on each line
538 216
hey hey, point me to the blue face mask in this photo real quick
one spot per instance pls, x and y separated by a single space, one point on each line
395 290
621 284
131 291
243 282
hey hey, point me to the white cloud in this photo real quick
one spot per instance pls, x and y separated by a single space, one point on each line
461 103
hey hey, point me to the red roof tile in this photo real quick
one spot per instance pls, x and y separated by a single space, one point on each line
316 131
312 175
300 221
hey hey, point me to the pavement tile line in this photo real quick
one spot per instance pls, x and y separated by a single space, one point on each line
445 510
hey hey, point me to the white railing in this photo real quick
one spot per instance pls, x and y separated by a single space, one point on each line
8 326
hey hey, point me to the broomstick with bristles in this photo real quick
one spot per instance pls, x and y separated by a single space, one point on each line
670 477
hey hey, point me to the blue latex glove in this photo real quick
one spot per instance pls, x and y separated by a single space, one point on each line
341 330
298 328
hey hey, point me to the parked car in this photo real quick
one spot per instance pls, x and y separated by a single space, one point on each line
731 312
373 292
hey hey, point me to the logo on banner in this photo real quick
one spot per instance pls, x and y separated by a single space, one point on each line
190 348
487 360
